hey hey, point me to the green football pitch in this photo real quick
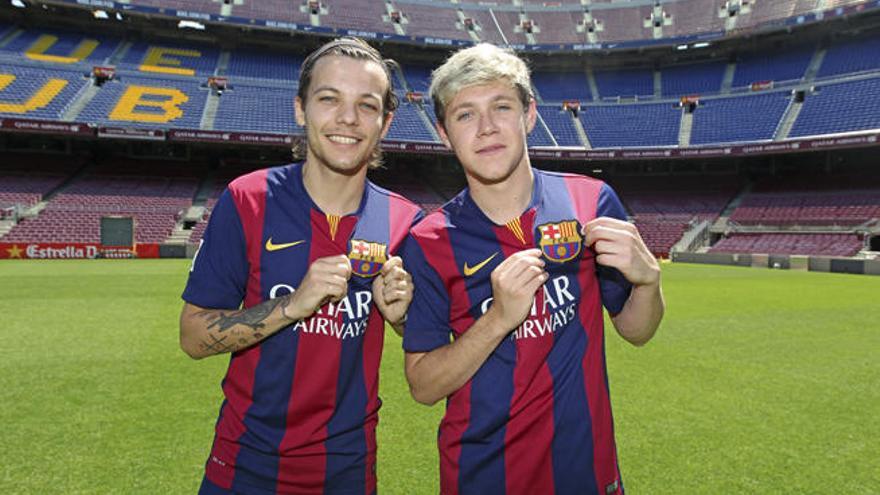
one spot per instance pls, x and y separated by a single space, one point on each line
759 381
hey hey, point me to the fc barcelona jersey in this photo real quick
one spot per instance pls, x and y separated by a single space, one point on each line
536 417
300 407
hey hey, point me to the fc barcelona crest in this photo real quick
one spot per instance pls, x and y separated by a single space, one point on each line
367 257
561 241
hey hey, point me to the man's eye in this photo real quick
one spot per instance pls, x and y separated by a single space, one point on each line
462 116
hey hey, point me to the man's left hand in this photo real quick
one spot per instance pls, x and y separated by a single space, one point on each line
618 245
392 292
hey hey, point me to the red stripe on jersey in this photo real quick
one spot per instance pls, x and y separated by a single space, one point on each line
584 193
528 437
313 389
457 418
249 195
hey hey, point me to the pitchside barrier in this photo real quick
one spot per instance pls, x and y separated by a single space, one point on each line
783 262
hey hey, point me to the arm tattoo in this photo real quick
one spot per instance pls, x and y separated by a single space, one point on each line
216 345
252 317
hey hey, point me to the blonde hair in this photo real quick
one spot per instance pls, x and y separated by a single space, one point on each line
480 64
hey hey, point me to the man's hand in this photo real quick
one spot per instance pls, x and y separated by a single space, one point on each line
618 245
326 280
514 283
392 292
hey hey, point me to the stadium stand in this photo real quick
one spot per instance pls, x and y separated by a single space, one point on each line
625 82
408 125
840 107
418 77
692 79
650 124
181 60
786 65
263 65
257 108
37 92
148 102
851 56
429 21
60 47
558 86
738 119
560 123
664 208
799 244
74 214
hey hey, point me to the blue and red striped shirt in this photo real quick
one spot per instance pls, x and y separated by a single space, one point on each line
301 407
536 417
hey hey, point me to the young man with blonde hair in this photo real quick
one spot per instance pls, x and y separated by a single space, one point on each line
307 248
515 271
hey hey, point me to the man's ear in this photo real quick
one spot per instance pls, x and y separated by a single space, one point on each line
443 137
298 112
531 115
386 126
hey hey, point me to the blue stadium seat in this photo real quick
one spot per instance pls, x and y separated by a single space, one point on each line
25 86
558 86
788 65
263 65
841 107
110 97
646 124
408 125
171 59
560 124
746 118
693 79
851 56
257 109
625 82
62 44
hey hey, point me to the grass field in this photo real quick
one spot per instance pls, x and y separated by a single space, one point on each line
759 381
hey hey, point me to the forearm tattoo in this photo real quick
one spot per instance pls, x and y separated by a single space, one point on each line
253 318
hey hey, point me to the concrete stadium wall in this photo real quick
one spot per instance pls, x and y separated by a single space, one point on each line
784 262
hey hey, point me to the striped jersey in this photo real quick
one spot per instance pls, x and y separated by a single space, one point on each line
300 408
536 417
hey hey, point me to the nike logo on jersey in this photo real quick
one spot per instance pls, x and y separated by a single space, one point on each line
470 270
277 247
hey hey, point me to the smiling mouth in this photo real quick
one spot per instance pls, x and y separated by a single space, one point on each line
490 149
342 139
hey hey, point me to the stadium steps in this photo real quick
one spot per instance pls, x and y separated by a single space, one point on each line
594 87
222 63
120 53
815 64
576 122
423 114
539 121
10 37
206 187
209 114
720 224
80 102
685 128
727 81
6 226
658 84
786 123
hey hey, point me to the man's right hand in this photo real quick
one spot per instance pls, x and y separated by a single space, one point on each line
514 283
326 280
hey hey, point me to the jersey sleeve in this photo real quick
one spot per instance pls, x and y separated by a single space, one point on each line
615 288
218 277
427 321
